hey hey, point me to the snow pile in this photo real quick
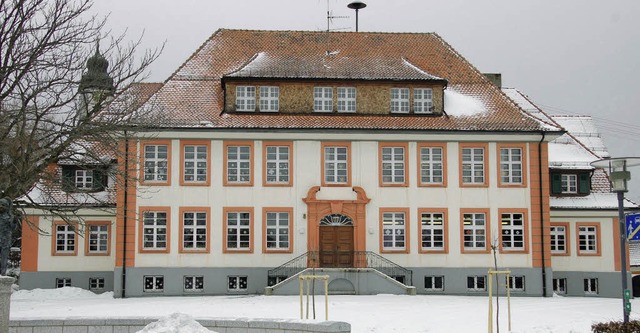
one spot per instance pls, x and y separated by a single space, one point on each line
175 323
59 293
457 104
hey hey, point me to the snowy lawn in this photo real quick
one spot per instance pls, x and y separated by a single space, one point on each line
379 313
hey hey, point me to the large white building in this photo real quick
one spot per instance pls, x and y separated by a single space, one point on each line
378 157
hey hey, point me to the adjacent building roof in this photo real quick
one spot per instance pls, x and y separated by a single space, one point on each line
193 95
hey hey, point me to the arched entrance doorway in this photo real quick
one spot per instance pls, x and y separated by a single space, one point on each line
336 241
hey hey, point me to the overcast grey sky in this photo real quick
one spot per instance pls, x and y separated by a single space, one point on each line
568 56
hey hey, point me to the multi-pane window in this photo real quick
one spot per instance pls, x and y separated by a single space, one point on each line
323 99
476 282
346 99
84 179
153 283
569 183
587 239
431 165
393 165
432 231
98 238
277 229
65 238
96 283
269 99
516 283
400 100
591 286
393 230
336 161
473 165
434 283
277 164
63 282
193 283
558 239
512 231
236 283
423 100
238 226
194 230
154 230
511 165
238 164
245 98
475 231
156 163
560 286
195 163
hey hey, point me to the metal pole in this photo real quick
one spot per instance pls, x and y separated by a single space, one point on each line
356 20
623 252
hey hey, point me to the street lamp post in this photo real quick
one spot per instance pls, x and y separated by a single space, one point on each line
619 176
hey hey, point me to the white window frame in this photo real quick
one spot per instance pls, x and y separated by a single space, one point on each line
84 179
246 98
269 99
511 165
346 99
558 239
394 229
96 283
63 282
431 165
153 283
477 282
238 230
241 283
194 230
569 183
156 163
432 231
193 283
560 286
66 240
431 283
473 159
475 231
277 234
588 239
423 100
336 164
516 283
512 227
277 166
399 100
393 165
323 99
155 230
590 286
238 167
98 238
195 163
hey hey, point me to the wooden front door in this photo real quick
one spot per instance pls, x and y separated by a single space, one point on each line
336 246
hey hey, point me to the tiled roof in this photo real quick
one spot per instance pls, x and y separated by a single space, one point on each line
194 95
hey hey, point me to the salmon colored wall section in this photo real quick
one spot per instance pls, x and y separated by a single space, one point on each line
540 216
30 238
130 212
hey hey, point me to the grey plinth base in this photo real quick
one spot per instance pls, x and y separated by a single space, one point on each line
5 299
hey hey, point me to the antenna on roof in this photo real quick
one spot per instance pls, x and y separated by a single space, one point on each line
357 5
330 18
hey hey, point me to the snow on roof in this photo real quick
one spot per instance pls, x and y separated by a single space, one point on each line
591 201
531 109
583 129
457 104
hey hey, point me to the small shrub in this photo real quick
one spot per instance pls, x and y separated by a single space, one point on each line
616 327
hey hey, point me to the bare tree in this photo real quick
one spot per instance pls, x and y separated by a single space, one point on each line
54 86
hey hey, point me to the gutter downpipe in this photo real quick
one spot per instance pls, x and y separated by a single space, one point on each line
541 198
124 218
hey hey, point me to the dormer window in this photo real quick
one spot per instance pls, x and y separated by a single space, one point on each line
269 97
570 183
245 98
84 179
422 100
323 99
346 99
399 100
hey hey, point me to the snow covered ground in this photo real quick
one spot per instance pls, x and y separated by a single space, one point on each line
379 313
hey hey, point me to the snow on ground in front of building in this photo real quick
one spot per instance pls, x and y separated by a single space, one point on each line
375 313
175 323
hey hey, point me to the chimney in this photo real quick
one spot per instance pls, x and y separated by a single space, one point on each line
495 78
